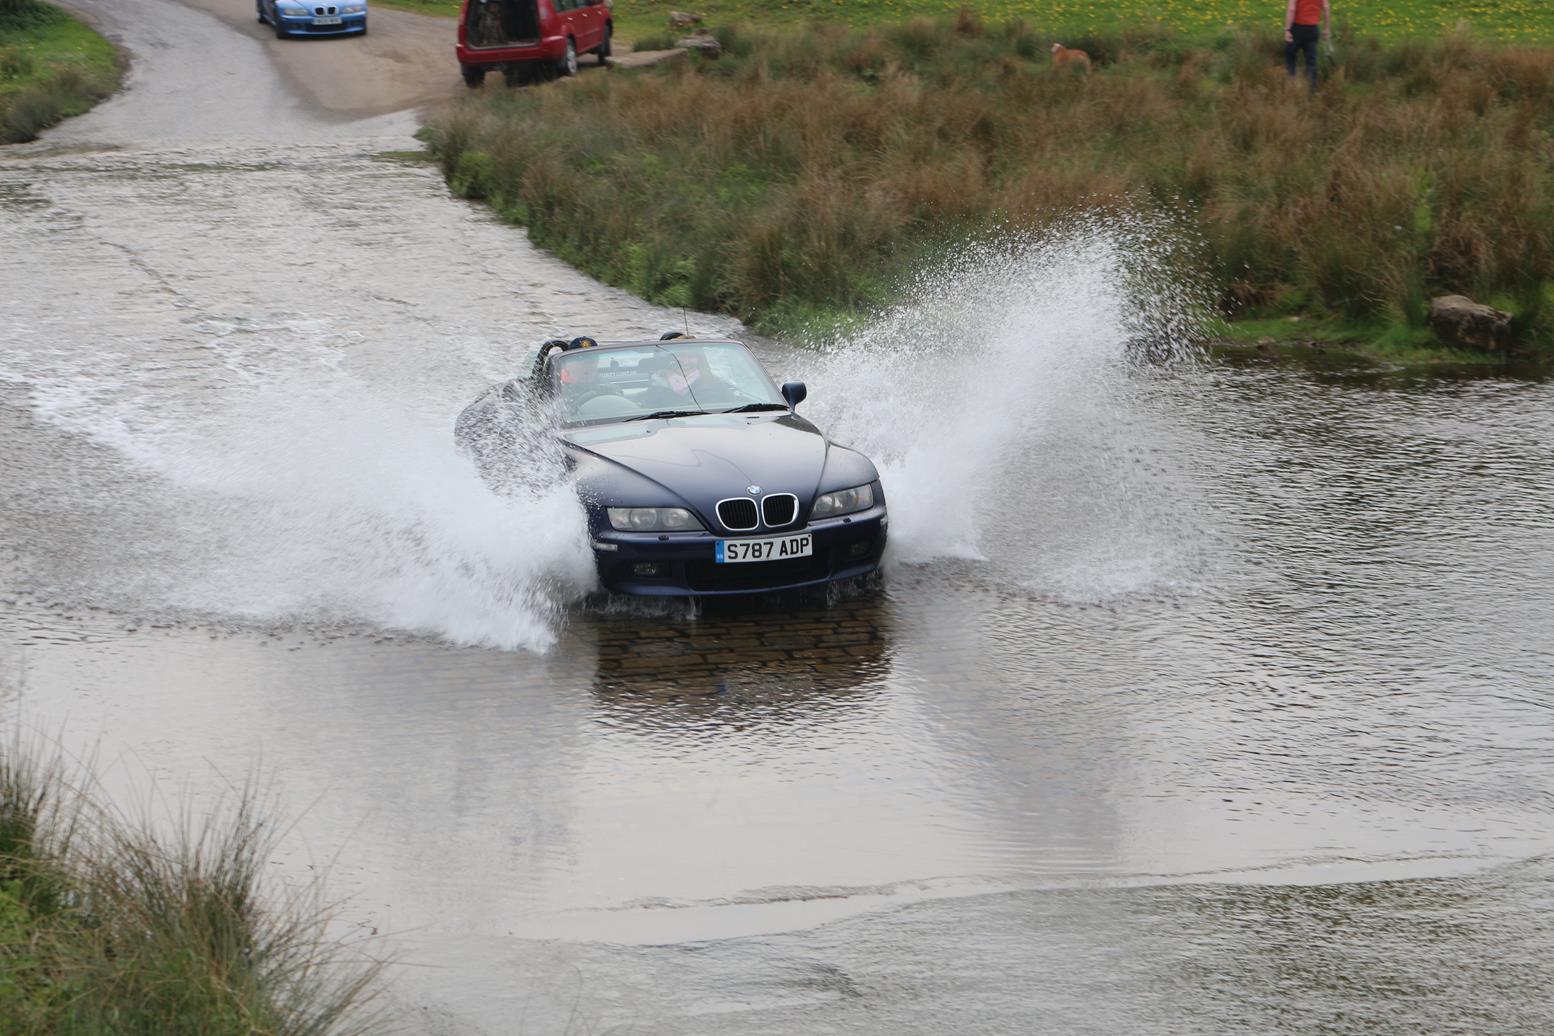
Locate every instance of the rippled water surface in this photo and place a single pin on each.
(1198, 698)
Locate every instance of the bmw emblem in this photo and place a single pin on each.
(752, 489)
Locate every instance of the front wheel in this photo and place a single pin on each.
(474, 75)
(280, 30)
(604, 48)
(568, 66)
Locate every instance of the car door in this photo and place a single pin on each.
(565, 17)
(576, 15)
(591, 15)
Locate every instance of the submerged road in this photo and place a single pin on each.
(1198, 698)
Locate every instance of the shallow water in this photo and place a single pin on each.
(1199, 698)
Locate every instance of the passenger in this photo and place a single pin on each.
(689, 385)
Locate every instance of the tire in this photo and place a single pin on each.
(603, 50)
(474, 75)
(280, 30)
(364, 26)
(568, 66)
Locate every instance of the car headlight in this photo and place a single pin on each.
(843, 501)
(652, 519)
(296, 12)
(353, 9)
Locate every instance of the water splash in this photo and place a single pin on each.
(306, 495)
(1008, 406)
(264, 475)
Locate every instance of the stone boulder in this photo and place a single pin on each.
(704, 43)
(1459, 321)
(682, 19)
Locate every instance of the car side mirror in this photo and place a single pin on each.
(795, 393)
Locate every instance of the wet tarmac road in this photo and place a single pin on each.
(1221, 706)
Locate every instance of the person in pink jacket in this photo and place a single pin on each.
(1305, 22)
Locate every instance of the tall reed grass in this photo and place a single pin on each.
(809, 170)
(109, 927)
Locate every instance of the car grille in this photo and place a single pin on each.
(779, 509)
(756, 575)
(737, 513)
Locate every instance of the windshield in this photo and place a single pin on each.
(594, 386)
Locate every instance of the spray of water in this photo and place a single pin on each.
(267, 482)
(1008, 405)
(293, 491)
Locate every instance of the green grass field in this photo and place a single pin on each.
(806, 174)
(51, 66)
(1516, 21)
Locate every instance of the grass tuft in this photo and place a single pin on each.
(655, 41)
(112, 927)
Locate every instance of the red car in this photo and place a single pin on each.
(519, 35)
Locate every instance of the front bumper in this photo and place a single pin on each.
(349, 23)
(843, 548)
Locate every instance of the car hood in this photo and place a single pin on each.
(706, 458)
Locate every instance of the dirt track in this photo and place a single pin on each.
(405, 61)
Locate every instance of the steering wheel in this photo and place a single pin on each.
(594, 393)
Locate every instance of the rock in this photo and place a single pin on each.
(682, 19)
(1459, 321)
(643, 58)
(1266, 344)
(705, 44)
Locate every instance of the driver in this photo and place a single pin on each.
(579, 381)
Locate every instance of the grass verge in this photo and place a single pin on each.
(1379, 342)
(438, 8)
(109, 928)
(51, 66)
(809, 171)
(1517, 21)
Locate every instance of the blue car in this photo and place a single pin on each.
(313, 17)
(697, 474)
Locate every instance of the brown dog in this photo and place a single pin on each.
(1062, 56)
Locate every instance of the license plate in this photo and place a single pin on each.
(775, 548)
(328, 21)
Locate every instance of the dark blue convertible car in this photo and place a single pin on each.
(697, 474)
